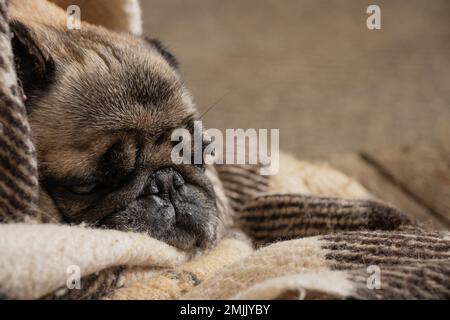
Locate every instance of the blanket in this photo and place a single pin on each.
(287, 240)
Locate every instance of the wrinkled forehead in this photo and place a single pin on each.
(127, 89)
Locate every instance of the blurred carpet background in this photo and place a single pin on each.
(312, 69)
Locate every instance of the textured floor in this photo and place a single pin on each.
(312, 69)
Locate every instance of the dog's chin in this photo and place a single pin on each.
(186, 235)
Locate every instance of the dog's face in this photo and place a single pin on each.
(102, 108)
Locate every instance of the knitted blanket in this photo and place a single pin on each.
(289, 238)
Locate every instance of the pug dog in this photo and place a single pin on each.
(102, 107)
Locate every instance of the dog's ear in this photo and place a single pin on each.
(34, 66)
(170, 58)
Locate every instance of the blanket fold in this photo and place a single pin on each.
(37, 258)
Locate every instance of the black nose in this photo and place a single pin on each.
(164, 182)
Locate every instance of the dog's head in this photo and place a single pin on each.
(102, 107)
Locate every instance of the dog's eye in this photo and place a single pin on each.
(160, 138)
(83, 189)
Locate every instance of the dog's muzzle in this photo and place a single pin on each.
(173, 209)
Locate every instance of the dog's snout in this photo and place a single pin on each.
(174, 207)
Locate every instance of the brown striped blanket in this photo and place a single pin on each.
(289, 240)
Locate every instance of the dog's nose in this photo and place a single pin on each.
(164, 182)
